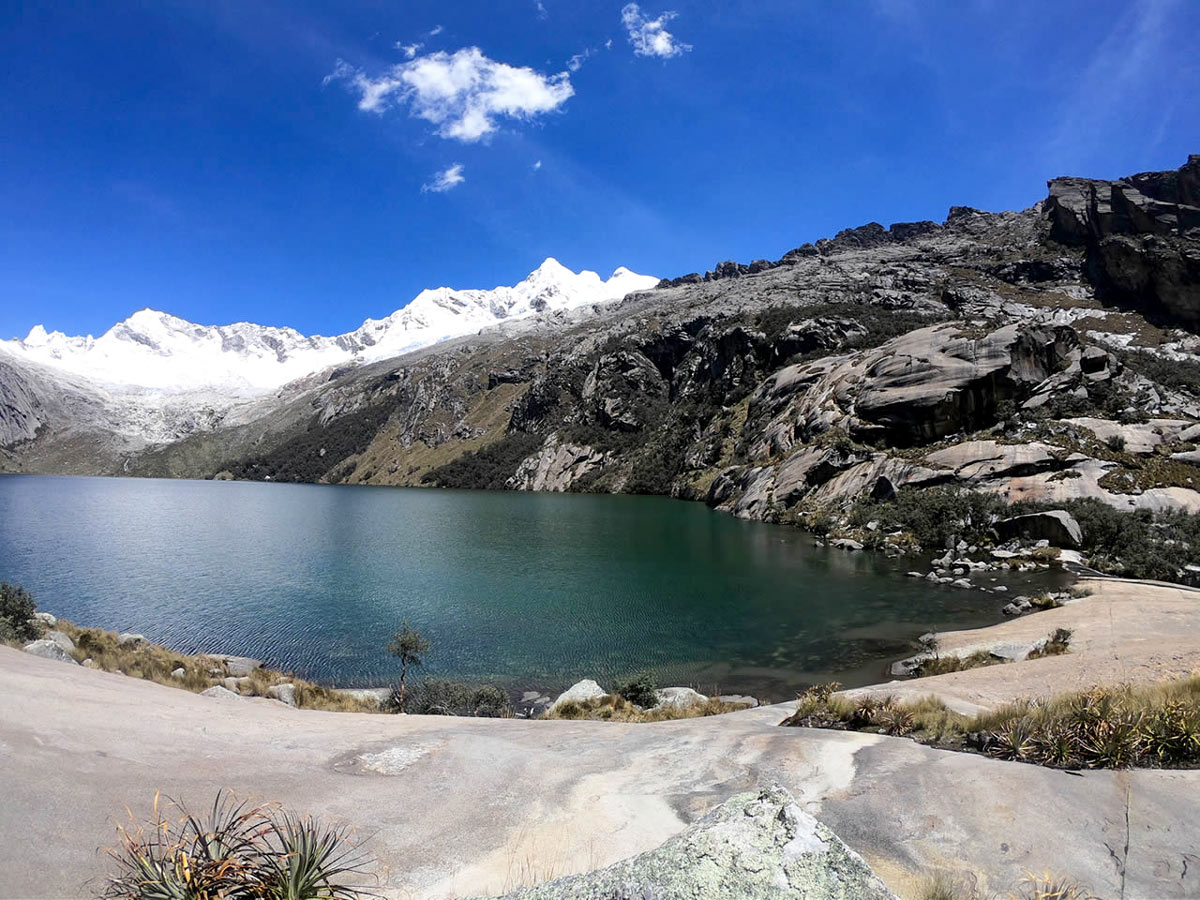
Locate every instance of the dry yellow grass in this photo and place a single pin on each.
(615, 708)
(153, 662)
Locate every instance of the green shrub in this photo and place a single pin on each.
(935, 516)
(487, 468)
(16, 614)
(437, 697)
(236, 851)
(640, 690)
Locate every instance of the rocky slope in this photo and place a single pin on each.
(1044, 355)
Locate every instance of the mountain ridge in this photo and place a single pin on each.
(155, 351)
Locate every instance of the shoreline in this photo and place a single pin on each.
(1124, 631)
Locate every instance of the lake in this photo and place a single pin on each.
(524, 590)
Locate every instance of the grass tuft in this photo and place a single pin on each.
(152, 662)
(615, 708)
(1148, 726)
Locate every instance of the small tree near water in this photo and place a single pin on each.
(410, 646)
(16, 614)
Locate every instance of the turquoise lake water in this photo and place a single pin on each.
(524, 590)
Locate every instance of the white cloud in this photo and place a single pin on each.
(541, 9)
(435, 31)
(462, 93)
(575, 63)
(650, 36)
(445, 180)
(410, 50)
(537, 165)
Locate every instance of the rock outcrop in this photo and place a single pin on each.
(917, 388)
(1056, 526)
(758, 846)
(1141, 234)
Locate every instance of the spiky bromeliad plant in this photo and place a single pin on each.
(237, 852)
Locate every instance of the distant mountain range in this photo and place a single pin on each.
(154, 354)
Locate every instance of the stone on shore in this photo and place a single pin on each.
(1056, 526)
(48, 648)
(61, 639)
(680, 698)
(757, 846)
(219, 693)
(46, 619)
(241, 666)
(580, 692)
(129, 639)
(284, 693)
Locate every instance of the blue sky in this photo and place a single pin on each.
(292, 163)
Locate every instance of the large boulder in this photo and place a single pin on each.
(284, 693)
(580, 692)
(237, 666)
(1056, 526)
(63, 640)
(48, 648)
(756, 846)
(680, 698)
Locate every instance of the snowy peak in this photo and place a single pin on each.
(158, 353)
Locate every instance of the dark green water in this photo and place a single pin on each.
(527, 590)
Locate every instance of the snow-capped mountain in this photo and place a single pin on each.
(154, 354)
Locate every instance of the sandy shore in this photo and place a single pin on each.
(1122, 631)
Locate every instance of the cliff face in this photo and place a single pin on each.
(1047, 354)
(1139, 235)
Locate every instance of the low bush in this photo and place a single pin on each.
(934, 516)
(943, 665)
(640, 690)
(487, 468)
(435, 697)
(235, 851)
(1105, 727)
(1135, 544)
(17, 622)
(1058, 643)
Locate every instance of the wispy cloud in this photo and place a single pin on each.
(537, 165)
(1116, 83)
(435, 31)
(650, 37)
(409, 50)
(445, 180)
(462, 93)
(541, 9)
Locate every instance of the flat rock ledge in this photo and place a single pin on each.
(757, 846)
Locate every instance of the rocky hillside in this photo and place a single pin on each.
(1047, 356)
